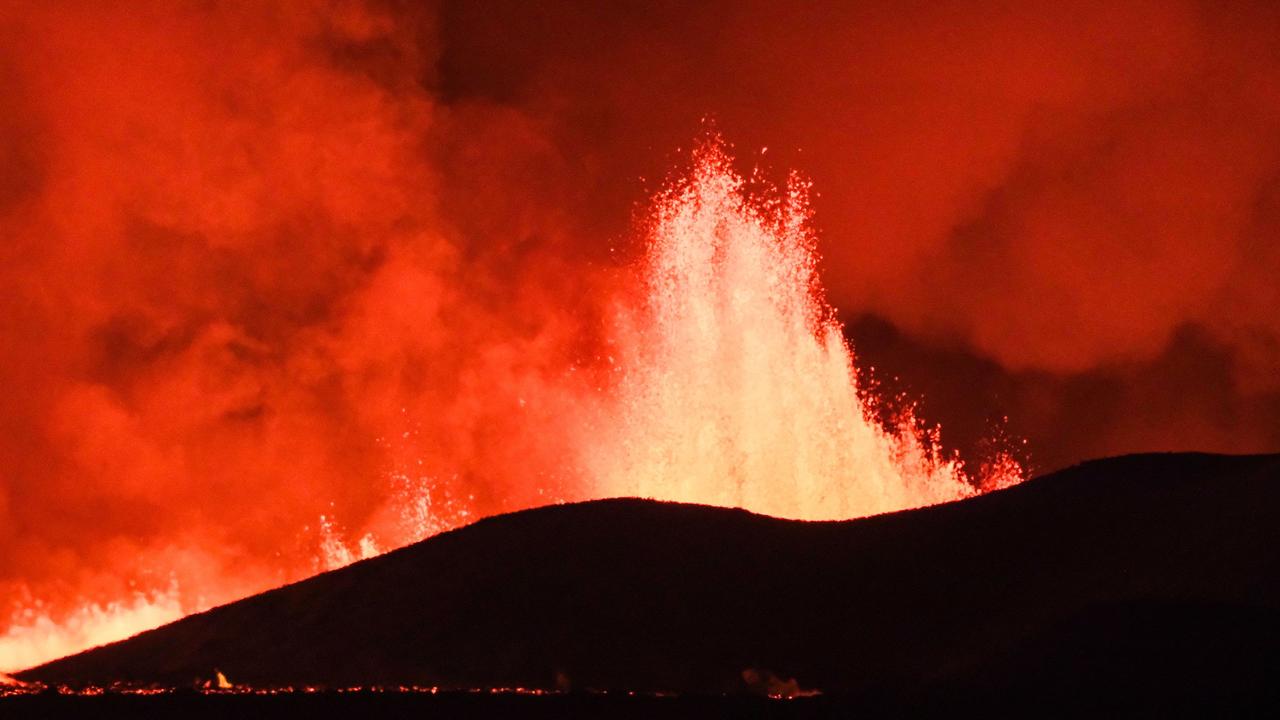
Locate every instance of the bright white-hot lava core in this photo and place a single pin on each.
(731, 385)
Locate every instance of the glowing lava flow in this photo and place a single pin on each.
(737, 387)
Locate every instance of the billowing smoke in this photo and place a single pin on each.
(267, 263)
(237, 300)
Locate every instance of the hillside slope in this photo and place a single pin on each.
(1151, 573)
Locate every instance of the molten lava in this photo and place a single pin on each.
(737, 387)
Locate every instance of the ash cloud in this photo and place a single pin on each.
(258, 257)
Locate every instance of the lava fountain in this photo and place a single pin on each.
(736, 386)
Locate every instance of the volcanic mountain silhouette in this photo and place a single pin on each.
(1146, 573)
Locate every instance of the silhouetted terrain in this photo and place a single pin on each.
(1151, 576)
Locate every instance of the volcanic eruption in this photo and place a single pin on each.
(290, 288)
(732, 385)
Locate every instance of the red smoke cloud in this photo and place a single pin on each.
(263, 263)
(235, 298)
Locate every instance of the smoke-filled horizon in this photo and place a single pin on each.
(264, 263)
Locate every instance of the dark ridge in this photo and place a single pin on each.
(1154, 575)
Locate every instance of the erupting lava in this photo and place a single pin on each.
(35, 637)
(737, 386)
(732, 385)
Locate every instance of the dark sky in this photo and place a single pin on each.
(258, 259)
